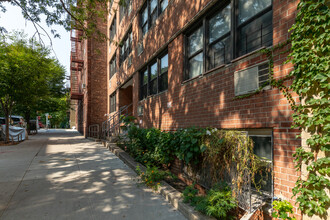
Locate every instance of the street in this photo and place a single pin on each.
(58, 174)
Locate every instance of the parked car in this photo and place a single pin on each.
(16, 119)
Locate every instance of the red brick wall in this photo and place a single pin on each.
(210, 100)
(94, 103)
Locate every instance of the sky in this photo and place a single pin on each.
(13, 19)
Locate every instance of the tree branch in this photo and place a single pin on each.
(35, 24)
(72, 16)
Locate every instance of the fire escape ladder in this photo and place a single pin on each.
(76, 66)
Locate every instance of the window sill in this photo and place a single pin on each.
(214, 69)
(154, 95)
(226, 65)
(204, 74)
(248, 54)
(192, 79)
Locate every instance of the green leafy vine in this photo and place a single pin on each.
(310, 49)
(310, 55)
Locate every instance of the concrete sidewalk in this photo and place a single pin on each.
(60, 175)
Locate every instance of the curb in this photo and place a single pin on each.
(167, 191)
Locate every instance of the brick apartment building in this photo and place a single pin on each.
(181, 63)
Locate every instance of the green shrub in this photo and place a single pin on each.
(218, 201)
(166, 150)
(282, 210)
(190, 195)
(161, 147)
(152, 176)
(189, 144)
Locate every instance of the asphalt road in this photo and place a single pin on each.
(59, 174)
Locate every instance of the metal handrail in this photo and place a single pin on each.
(111, 125)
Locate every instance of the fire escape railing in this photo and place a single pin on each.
(76, 65)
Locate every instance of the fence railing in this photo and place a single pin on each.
(112, 125)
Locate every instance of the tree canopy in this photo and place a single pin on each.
(30, 80)
(71, 14)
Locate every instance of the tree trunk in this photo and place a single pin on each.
(27, 118)
(7, 126)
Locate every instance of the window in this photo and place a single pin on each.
(163, 5)
(113, 29)
(126, 47)
(163, 76)
(113, 102)
(219, 38)
(210, 44)
(150, 12)
(153, 11)
(110, 8)
(263, 148)
(144, 20)
(195, 53)
(255, 25)
(250, 79)
(125, 8)
(113, 66)
(154, 78)
(144, 84)
(216, 45)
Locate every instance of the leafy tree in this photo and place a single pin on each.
(71, 14)
(46, 93)
(28, 77)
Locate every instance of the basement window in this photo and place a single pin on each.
(249, 80)
(263, 148)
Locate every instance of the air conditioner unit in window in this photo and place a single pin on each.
(250, 79)
(83, 86)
